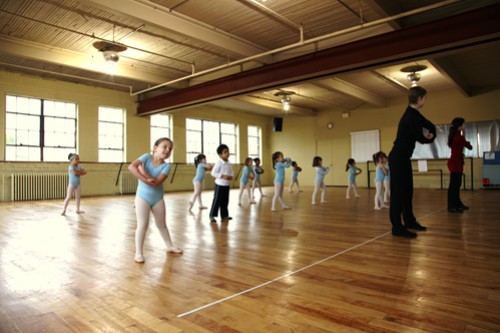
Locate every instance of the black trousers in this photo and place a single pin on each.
(221, 201)
(401, 191)
(454, 190)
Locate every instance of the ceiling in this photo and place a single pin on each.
(173, 47)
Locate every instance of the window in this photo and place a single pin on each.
(160, 128)
(254, 142)
(483, 136)
(111, 134)
(364, 144)
(203, 136)
(39, 130)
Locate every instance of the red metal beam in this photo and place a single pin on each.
(453, 32)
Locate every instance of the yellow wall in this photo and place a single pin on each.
(301, 139)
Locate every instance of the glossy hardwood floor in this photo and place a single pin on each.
(325, 268)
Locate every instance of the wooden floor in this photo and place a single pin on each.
(325, 268)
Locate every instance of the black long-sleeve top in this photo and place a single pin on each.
(410, 130)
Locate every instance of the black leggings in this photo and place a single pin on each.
(401, 191)
(454, 190)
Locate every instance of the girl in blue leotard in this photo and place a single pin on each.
(279, 164)
(75, 170)
(151, 170)
(245, 180)
(200, 162)
(295, 177)
(387, 182)
(380, 159)
(319, 182)
(354, 171)
(257, 171)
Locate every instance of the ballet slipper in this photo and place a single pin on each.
(173, 249)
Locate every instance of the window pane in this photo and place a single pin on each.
(193, 124)
(56, 154)
(10, 153)
(60, 109)
(10, 103)
(111, 135)
(254, 141)
(211, 137)
(27, 122)
(110, 114)
(227, 128)
(35, 106)
(10, 137)
(48, 108)
(110, 155)
(60, 132)
(159, 128)
(70, 110)
(252, 131)
(17, 153)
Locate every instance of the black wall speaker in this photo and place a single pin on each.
(278, 124)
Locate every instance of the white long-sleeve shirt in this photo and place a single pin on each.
(222, 168)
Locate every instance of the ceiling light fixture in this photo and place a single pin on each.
(111, 59)
(414, 75)
(110, 56)
(285, 98)
(286, 103)
(110, 53)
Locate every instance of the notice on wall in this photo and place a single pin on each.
(422, 165)
(489, 155)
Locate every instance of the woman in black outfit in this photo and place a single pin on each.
(410, 130)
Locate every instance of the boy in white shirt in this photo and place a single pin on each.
(223, 174)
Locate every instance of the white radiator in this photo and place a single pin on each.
(128, 183)
(38, 186)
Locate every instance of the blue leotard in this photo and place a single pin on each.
(379, 174)
(74, 179)
(295, 174)
(256, 173)
(387, 178)
(352, 174)
(146, 192)
(280, 171)
(320, 174)
(200, 173)
(244, 175)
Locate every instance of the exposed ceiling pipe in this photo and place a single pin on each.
(68, 75)
(280, 18)
(395, 83)
(302, 43)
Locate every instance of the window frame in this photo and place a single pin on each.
(258, 138)
(43, 132)
(201, 133)
(106, 122)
